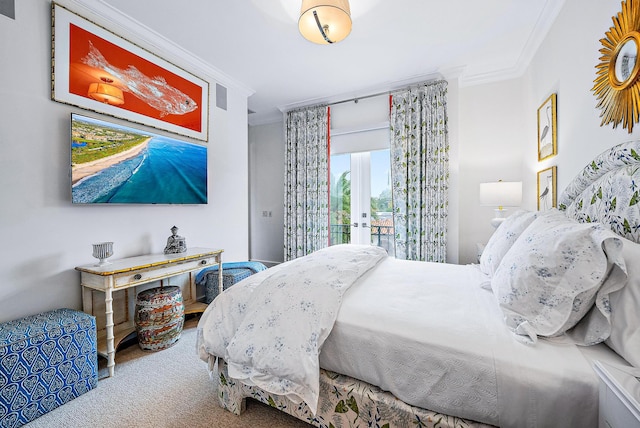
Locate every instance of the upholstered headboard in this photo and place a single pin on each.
(608, 191)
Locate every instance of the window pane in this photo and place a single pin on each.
(340, 216)
(381, 204)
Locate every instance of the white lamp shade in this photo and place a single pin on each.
(501, 194)
(334, 17)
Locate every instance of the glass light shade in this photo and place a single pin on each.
(334, 17)
(106, 93)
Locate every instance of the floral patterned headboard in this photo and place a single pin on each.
(608, 191)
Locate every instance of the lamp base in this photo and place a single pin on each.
(499, 218)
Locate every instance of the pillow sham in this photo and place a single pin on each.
(625, 309)
(552, 275)
(503, 238)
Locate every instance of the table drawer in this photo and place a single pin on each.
(155, 273)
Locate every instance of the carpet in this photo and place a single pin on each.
(169, 388)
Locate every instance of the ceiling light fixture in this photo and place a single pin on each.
(106, 93)
(325, 21)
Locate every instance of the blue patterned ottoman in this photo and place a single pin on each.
(46, 360)
(232, 273)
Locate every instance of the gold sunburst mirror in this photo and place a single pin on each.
(617, 86)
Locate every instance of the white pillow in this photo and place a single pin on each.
(503, 238)
(625, 309)
(553, 274)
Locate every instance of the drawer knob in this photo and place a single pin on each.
(137, 276)
(203, 262)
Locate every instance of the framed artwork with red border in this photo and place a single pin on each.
(97, 70)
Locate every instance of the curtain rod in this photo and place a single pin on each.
(356, 99)
(389, 92)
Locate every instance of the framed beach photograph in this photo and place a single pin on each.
(547, 198)
(116, 164)
(97, 70)
(547, 132)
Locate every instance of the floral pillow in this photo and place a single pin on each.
(503, 238)
(625, 309)
(554, 273)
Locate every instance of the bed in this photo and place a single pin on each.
(350, 337)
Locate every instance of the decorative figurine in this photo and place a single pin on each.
(175, 243)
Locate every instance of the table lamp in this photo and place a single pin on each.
(500, 194)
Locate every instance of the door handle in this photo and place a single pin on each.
(355, 225)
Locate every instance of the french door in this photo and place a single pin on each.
(360, 228)
(361, 199)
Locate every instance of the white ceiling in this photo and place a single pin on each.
(392, 44)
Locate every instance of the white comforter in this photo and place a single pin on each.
(430, 334)
(427, 332)
(270, 328)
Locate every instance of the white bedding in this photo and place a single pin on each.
(270, 328)
(431, 335)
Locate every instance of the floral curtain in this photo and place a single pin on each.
(420, 171)
(306, 187)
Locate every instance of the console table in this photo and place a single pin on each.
(122, 274)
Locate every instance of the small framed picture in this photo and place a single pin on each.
(547, 133)
(547, 189)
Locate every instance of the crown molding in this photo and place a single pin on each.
(114, 20)
(273, 116)
(277, 114)
(465, 77)
(544, 23)
(362, 93)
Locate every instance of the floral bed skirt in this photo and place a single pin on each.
(344, 402)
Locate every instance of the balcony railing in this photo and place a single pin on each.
(382, 236)
(340, 234)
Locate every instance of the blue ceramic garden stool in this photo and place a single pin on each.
(232, 273)
(159, 317)
(46, 360)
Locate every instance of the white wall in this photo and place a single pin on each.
(43, 236)
(493, 126)
(266, 177)
(499, 120)
(565, 64)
